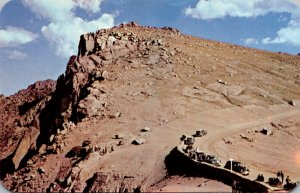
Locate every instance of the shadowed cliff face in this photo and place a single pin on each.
(19, 121)
(122, 79)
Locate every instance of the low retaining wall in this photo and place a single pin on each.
(179, 163)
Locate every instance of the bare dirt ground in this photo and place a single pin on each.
(186, 94)
(189, 184)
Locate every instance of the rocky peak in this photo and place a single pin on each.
(90, 43)
(80, 92)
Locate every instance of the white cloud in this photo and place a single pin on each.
(58, 10)
(236, 8)
(249, 41)
(64, 36)
(65, 28)
(13, 36)
(89, 5)
(288, 35)
(52, 10)
(3, 3)
(16, 55)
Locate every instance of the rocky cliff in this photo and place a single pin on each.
(38, 114)
(18, 121)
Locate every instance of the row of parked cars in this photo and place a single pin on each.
(235, 166)
(200, 156)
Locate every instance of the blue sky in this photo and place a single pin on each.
(38, 36)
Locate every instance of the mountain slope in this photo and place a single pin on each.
(130, 77)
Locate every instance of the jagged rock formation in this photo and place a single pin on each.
(19, 122)
(121, 79)
(79, 92)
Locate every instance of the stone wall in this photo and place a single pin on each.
(178, 163)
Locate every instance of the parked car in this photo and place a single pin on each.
(213, 159)
(237, 167)
(200, 133)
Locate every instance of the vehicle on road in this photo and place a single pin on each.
(200, 133)
(213, 159)
(237, 167)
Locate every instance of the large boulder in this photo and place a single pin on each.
(27, 143)
(90, 106)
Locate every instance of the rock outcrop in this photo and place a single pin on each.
(19, 121)
(79, 93)
(108, 182)
(26, 144)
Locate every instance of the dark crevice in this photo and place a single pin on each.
(27, 106)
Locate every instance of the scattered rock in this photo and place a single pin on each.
(247, 138)
(51, 138)
(266, 131)
(119, 136)
(121, 142)
(293, 103)
(227, 141)
(117, 114)
(29, 162)
(222, 82)
(105, 74)
(41, 170)
(111, 40)
(163, 121)
(28, 178)
(145, 129)
(86, 143)
(139, 141)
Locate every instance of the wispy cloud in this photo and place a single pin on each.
(52, 10)
(249, 41)
(288, 35)
(14, 36)
(65, 28)
(3, 3)
(16, 55)
(208, 10)
(89, 5)
(237, 8)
